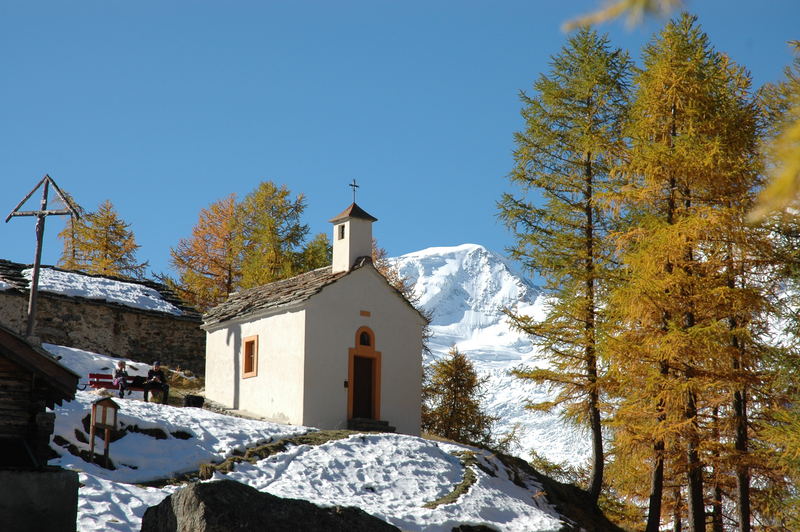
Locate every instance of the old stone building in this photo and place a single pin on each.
(136, 319)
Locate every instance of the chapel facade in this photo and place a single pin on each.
(336, 347)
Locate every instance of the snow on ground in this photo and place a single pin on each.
(393, 476)
(465, 289)
(129, 294)
(85, 362)
(108, 505)
(108, 500)
(388, 475)
(140, 457)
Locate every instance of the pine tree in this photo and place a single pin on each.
(271, 232)
(70, 255)
(453, 393)
(243, 244)
(573, 131)
(693, 304)
(780, 423)
(209, 262)
(316, 254)
(101, 243)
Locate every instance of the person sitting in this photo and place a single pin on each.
(156, 381)
(121, 378)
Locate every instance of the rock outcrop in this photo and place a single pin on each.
(228, 506)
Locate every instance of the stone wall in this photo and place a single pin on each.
(110, 329)
(32, 501)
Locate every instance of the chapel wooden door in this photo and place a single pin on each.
(362, 387)
(364, 377)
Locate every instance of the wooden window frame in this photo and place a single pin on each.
(340, 232)
(254, 341)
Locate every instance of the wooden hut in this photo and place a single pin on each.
(31, 380)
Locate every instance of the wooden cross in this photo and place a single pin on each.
(354, 186)
(40, 217)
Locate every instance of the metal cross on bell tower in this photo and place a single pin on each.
(354, 186)
(43, 212)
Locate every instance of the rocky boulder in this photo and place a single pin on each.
(228, 506)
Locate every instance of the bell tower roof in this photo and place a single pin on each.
(353, 211)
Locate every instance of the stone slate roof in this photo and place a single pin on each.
(286, 292)
(11, 273)
(280, 293)
(353, 211)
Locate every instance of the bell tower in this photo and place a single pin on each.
(352, 237)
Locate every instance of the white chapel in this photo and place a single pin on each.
(336, 347)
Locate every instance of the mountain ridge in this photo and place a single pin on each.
(465, 288)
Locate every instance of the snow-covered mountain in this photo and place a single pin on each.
(465, 288)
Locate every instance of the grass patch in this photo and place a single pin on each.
(252, 455)
(468, 460)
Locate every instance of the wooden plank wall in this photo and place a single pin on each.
(17, 403)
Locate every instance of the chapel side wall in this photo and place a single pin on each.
(222, 345)
(110, 329)
(334, 318)
(276, 393)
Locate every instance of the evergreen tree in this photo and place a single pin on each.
(452, 408)
(243, 244)
(780, 424)
(101, 243)
(316, 254)
(693, 306)
(573, 131)
(271, 234)
(209, 262)
(70, 255)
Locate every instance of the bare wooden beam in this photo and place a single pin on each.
(26, 198)
(72, 209)
(37, 213)
(37, 261)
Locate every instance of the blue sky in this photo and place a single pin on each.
(166, 106)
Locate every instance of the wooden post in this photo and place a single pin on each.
(108, 440)
(106, 421)
(41, 214)
(40, 218)
(91, 439)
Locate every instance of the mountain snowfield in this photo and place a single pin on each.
(465, 288)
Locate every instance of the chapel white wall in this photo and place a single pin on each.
(333, 317)
(220, 367)
(276, 392)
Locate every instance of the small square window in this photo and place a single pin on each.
(341, 231)
(250, 357)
